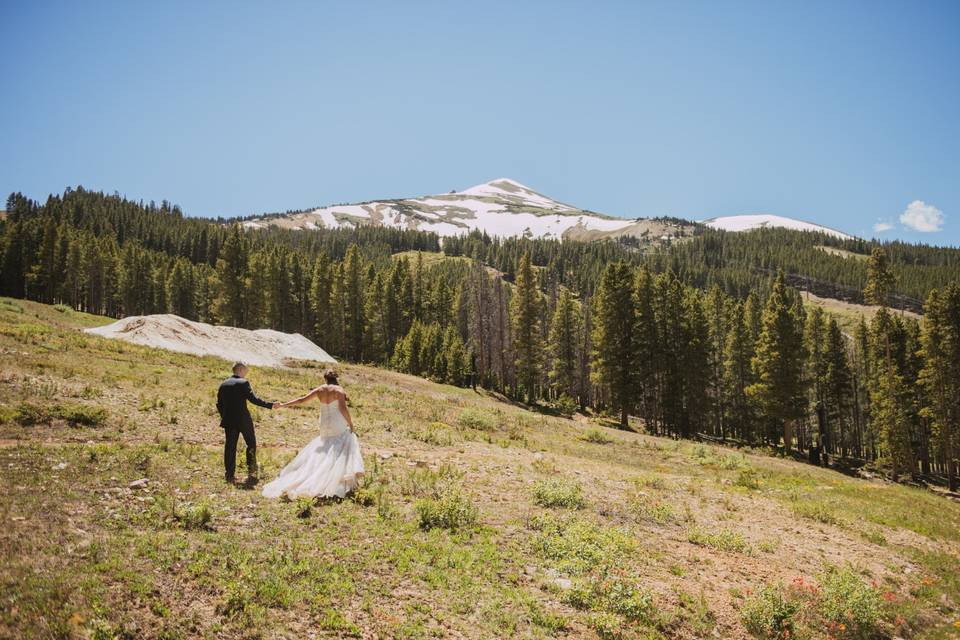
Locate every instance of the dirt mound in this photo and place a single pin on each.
(263, 347)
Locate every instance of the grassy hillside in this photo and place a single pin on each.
(478, 518)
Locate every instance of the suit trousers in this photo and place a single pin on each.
(230, 449)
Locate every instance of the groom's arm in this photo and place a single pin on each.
(252, 397)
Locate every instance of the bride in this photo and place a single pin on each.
(331, 464)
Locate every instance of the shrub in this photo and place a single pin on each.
(566, 405)
(849, 601)
(614, 592)
(596, 436)
(28, 415)
(649, 481)
(477, 419)
(576, 544)
(423, 481)
(80, 415)
(303, 507)
(649, 509)
(816, 511)
(770, 613)
(195, 516)
(435, 433)
(558, 492)
(722, 540)
(451, 510)
(748, 479)
(607, 625)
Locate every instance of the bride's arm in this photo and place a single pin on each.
(299, 400)
(342, 405)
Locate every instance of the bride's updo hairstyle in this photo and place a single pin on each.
(330, 376)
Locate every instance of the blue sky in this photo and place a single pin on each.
(842, 113)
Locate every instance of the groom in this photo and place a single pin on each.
(235, 419)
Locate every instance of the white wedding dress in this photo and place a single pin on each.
(330, 465)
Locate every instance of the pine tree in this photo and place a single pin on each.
(778, 364)
(614, 325)
(180, 290)
(337, 311)
(890, 417)
(375, 334)
(940, 375)
(353, 301)
(230, 305)
(525, 324)
(814, 339)
(645, 347)
(837, 389)
(566, 329)
(695, 359)
(42, 279)
(715, 307)
(320, 290)
(737, 377)
(880, 279)
(258, 291)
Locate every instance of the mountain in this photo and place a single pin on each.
(501, 207)
(505, 208)
(764, 220)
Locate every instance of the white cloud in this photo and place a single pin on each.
(921, 216)
(881, 226)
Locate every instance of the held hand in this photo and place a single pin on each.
(277, 405)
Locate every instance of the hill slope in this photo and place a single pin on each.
(120, 526)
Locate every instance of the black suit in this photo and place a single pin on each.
(235, 418)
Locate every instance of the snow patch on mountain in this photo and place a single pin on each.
(765, 220)
(501, 207)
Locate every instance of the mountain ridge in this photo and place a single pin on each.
(505, 207)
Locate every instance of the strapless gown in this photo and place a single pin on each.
(330, 465)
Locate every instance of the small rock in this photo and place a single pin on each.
(59, 467)
(563, 583)
(538, 456)
(386, 455)
(136, 484)
(18, 518)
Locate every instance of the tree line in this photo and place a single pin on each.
(689, 343)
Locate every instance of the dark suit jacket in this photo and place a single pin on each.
(232, 400)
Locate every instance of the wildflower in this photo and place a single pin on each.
(890, 596)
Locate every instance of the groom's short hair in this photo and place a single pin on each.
(239, 365)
